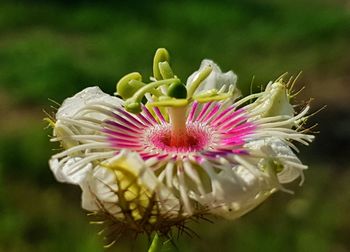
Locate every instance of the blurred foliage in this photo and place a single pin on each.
(54, 49)
(49, 47)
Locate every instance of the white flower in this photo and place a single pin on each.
(187, 152)
(224, 163)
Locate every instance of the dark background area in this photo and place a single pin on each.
(53, 49)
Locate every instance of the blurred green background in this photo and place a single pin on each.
(53, 49)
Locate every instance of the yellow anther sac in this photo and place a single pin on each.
(129, 84)
(161, 55)
(133, 106)
(165, 70)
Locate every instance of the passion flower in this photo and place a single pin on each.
(159, 153)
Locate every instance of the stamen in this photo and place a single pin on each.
(161, 55)
(133, 104)
(165, 70)
(195, 84)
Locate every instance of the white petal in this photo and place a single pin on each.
(63, 172)
(233, 196)
(215, 80)
(70, 108)
(88, 199)
(167, 202)
(279, 150)
(99, 189)
(66, 129)
(89, 95)
(102, 185)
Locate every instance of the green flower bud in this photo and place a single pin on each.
(276, 101)
(280, 104)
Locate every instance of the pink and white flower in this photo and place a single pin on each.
(207, 153)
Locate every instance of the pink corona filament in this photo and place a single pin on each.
(199, 131)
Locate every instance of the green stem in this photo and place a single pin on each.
(157, 244)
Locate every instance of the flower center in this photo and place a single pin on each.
(197, 138)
